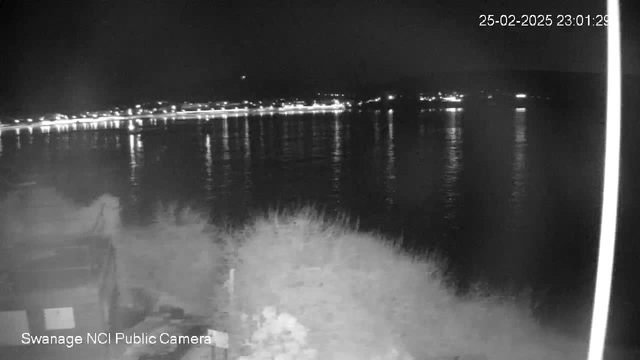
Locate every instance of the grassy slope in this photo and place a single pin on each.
(359, 295)
(355, 292)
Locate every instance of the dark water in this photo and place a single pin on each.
(511, 197)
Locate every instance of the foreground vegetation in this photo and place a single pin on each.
(303, 286)
(357, 294)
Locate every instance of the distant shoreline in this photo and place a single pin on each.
(183, 115)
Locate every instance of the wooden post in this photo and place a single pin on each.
(230, 286)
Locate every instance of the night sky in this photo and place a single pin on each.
(59, 55)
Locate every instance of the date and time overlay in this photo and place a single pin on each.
(539, 20)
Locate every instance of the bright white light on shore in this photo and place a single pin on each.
(131, 127)
(243, 77)
(391, 97)
(30, 120)
(451, 99)
(521, 96)
(16, 121)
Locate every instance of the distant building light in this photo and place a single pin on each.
(138, 106)
(243, 77)
(521, 96)
(391, 97)
(29, 120)
(16, 121)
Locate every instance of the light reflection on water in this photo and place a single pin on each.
(391, 159)
(135, 165)
(454, 161)
(209, 168)
(248, 186)
(262, 146)
(337, 154)
(519, 161)
(226, 155)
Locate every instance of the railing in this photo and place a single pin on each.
(55, 268)
(75, 261)
(26, 225)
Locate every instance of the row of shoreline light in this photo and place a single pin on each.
(182, 115)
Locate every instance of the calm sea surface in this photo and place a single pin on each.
(510, 197)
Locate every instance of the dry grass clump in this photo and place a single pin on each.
(172, 261)
(359, 296)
